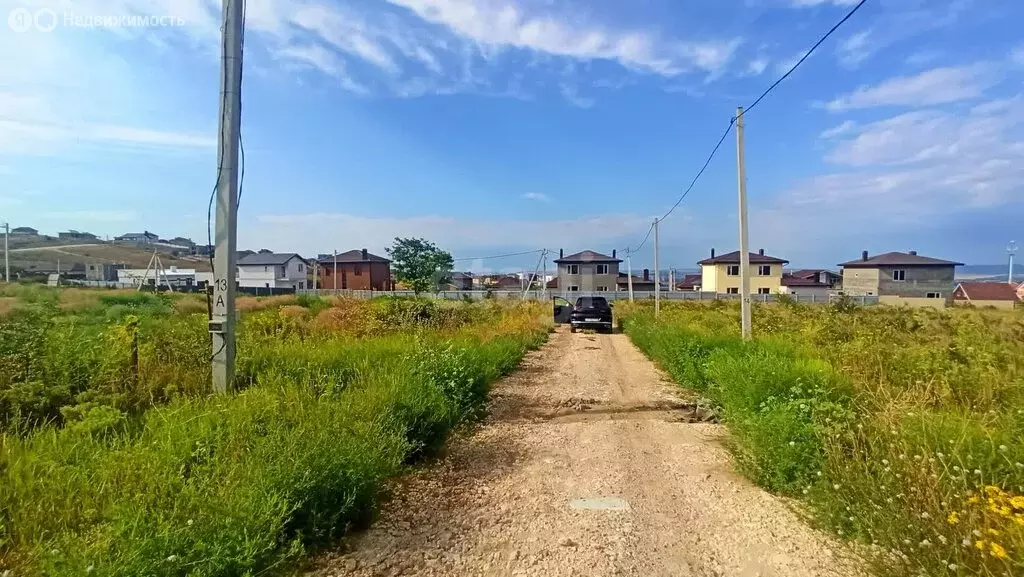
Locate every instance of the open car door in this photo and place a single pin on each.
(561, 310)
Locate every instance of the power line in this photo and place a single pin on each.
(806, 55)
(500, 255)
(757, 101)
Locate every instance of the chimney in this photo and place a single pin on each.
(561, 253)
(365, 255)
(913, 253)
(760, 251)
(647, 274)
(864, 255)
(613, 253)
(712, 253)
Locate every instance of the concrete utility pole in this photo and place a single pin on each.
(744, 252)
(222, 325)
(629, 274)
(1010, 248)
(6, 251)
(657, 273)
(544, 289)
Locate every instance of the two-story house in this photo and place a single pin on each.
(900, 277)
(721, 273)
(354, 270)
(272, 270)
(587, 271)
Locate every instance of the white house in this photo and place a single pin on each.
(176, 277)
(272, 270)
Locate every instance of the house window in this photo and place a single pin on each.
(300, 267)
(573, 288)
(265, 269)
(732, 290)
(764, 291)
(602, 289)
(934, 295)
(764, 270)
(327, 271)
(733, 270)
(899, 275)
(602, 269)
(573, 269)
(358, 270)
(266, 285)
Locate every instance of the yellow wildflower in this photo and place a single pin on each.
(992, 490)
(1019, 519)
(1005, 511)
(997, 551)
(980, 545)
(953, 518)
(993, 532)
(973, 499)
(1017, 502)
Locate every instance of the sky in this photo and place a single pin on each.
(496, 126)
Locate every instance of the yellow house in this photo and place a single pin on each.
(721, 274)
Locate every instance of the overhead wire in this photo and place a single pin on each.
(732, 121)
(499, 255)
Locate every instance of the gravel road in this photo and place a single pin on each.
(588, 464)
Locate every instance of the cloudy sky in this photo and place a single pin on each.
(494, 126)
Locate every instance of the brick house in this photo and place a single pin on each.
(356, 270)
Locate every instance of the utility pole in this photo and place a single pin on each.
(629, 274)
(544, 290)
(222, 325)
(657, 273)
(744, 252)
(6, 251)
(1010, 248)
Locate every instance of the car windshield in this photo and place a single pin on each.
(592, 302)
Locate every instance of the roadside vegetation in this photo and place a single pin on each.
(116, 460)
(900, 429)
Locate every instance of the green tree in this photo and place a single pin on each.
(420, 264)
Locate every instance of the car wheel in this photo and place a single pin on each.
(572, 329)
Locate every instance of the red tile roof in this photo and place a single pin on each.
(689, 281)
(986, 291)
(791, 280)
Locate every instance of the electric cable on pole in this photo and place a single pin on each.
(223, 314)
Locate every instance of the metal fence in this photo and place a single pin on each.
(572, 296)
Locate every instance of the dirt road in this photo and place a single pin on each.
(588, 465)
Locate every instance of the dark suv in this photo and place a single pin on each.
(591, 313)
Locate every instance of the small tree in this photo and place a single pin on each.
(420, 264)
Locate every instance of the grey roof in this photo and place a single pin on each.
(353, 256)
(898, 259)
(587, 256)
(24, 229)
(734, 258)
(267, 258)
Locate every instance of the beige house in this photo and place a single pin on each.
(901, 278)
(721, 274)
(999, 295)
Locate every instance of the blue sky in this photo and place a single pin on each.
(493, 126)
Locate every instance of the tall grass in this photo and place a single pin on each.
(237, 484)
(900, 429)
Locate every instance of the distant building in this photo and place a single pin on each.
(811, 283)
(509, 282)
(643, 283)
(183, 242)
(272, 271)
(900, 278)
(103, 271)
(24, 231)
(1000, 295)
(354, 270)
(76, 235)
(461, 281)
(721, 274)
(587, 271)
(144, 237)
(690, 282)
(174, 276)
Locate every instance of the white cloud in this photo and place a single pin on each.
(835, 131)
(784, 66)
(757, 66)
(538, 196)
(505, 25)
(935, 86)
(856, 49)
(571, 94)
(809, 3)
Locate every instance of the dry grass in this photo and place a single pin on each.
(8, 304)
(245, 304)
